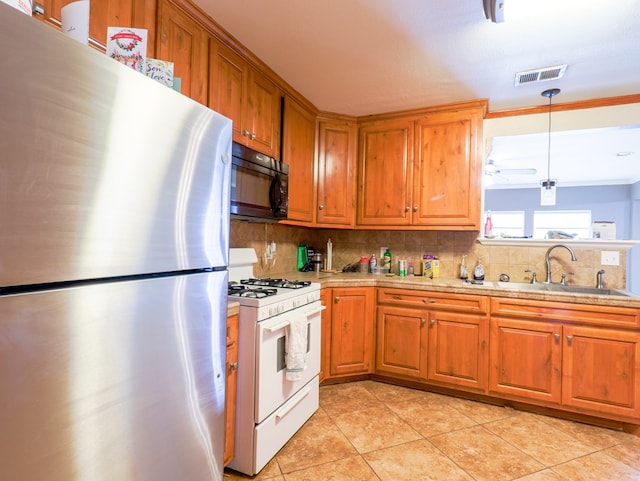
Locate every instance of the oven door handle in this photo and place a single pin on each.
(283, 324)
(282, 413)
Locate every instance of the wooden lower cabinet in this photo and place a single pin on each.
(231, 391)
(351, 344)
(325, 333)
(526, 359)
(601, 370)
(556, 354)
(401, 342)
(433, 337)
(458, 350)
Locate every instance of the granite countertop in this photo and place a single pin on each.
(233, 308)
(455, 286)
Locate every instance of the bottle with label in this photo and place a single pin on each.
(488, 225)
(478, 272)
(373, 263)
(464, 274)
(329, 258)
(410, 269)
(386, 259)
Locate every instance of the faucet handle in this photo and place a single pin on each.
(534, 279)
(563, 280)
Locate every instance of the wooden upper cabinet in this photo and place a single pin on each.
(385, 173)
(184, 42)
(108, 13)
(422, 170)
(446, 189)
(247, 97)
(298, 141)
(336, 173)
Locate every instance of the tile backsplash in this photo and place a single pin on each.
(449, 246)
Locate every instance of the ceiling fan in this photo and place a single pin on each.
(491, 169)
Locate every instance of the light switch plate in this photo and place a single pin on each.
(610, 258)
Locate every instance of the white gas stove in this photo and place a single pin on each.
(272, 401)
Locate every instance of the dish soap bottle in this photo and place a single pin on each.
(386, 259)
(464, 274)
(373, 263)
(478, 272)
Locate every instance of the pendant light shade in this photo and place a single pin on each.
(548, 186)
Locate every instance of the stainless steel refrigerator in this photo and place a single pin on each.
(114, 221)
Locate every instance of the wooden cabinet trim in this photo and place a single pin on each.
(432, 300)
(612, 316)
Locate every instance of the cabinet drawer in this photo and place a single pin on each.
(562, 311)
(433, 300)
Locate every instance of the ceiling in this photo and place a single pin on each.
(361, 57)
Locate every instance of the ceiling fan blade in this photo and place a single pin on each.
(517, 171)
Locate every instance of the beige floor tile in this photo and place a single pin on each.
(417, 460)
(270, 472)
(353, 468)
(627, 452)
(541, 441)
(374, 428)
(597, 467)
(484, 455)
(342, 398)
(319, 441)
(481, 412)
(544, 475)
(428, 420)
(595, 436)
(389, 393)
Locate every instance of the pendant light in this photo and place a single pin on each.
(548, 186)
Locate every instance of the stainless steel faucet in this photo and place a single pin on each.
(548, 261)
(599, 280)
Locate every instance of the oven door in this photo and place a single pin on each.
(272, 387)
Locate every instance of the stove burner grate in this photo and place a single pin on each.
(282, 283)
(243, 291)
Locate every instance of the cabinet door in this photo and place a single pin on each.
(336, 169)
(401, 342)
(458, 349)
(384, 173)
(262, 128)
(352, 331)
(325, 333)
(447, 184)
(227, 86)
(298, 142)
(525, 359)
(231, 384)
(184, 42)
(601, 370)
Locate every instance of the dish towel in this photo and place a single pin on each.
(296, 355)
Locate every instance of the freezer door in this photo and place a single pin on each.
(105, 172)
(120, 381)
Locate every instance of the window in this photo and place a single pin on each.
(508, 223)
(574, 222)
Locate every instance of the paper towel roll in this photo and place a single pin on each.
(75, 20)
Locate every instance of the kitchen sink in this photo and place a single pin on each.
(541, 286)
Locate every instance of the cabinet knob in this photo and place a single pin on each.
(246, 132)
(422, 321)
(415, 208)
(253, 135)
(432, 322)
(569, 340)
(556, 337)
(321, 206)
(407, 209)
(336, 299)
(233, 366)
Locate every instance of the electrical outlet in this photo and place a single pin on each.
(610, 258)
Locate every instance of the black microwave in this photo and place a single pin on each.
(259, 186)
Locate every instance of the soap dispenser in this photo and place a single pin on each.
(478, 271)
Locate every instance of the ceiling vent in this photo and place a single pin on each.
(540, 75)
